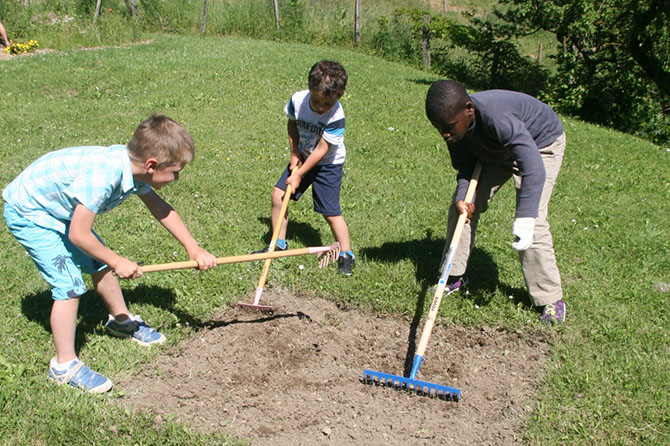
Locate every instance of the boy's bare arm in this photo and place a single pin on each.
(169, 218)
(312, 160)
(81, 235)
(293, 139)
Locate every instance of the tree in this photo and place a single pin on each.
(614, 58)
(133, 7)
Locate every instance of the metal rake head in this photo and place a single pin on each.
(330, 256)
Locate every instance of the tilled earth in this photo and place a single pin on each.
(294, 377)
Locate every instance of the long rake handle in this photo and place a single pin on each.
(439, 291)
(275, 237)
(238, 259)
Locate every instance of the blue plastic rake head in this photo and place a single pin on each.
(422, 388)
(412, 384)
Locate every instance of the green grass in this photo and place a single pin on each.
(607, 381)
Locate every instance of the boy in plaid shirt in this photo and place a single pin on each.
(50, 209)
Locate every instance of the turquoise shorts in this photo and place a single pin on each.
(58, 260)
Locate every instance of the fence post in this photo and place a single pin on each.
(446, 7)
(97, 12)
(357, 22)
(276, 14)
(204, 18)
(539, 53)
(425, 45)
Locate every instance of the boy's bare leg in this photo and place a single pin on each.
(277, 199)
(63, 326)
(340, 231)
(3, 34)
(107, 286)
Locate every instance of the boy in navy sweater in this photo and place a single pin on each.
(512, 135)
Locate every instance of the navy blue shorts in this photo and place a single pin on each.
(326, 181)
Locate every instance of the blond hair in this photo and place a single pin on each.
(164, 139)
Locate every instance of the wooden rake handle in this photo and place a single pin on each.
(455, 239)
(275, 234)
(243, 258)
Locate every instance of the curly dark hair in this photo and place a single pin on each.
(329, 77)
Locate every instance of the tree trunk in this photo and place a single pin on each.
(203, 25)
(133, 7)
(641, 47)
(97, 12)
(357, 22)
(425, 45)
(446, 7)
(276, 14)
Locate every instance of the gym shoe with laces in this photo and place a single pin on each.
(136, 329)
(267, 248)
(345, 264)
(554, 313)
(80, 376)
(455, 283)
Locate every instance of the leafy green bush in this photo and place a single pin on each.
(395, 40)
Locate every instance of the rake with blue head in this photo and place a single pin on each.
(410, 383)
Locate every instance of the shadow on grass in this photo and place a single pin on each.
(93, 312)
(426, 255)
(296, 230)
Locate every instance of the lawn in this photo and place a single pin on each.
(607, 381)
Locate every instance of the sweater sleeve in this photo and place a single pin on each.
(464, 163)
(514, 136)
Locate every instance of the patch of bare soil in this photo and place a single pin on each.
(294, 377)
(6, 56)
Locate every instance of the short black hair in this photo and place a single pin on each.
(444, 99)
(329, 77)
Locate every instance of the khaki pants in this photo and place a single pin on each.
(538, 262)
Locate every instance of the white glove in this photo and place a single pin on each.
(523, 229)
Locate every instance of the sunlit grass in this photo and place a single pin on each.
(605, 382)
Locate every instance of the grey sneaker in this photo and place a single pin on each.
(267, 248)
(80, 376)
(137, 330)
(554, 313)
(345, 264)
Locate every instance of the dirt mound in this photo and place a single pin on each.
(294, 377)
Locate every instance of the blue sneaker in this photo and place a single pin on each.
(554, 313)
(80, 376)
(136, 329)
(278, 247)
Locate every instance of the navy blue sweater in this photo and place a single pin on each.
(509, 130)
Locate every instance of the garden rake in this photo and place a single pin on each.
(271, 247)
(327, 255)
(411, 383)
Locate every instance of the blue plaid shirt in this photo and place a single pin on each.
(48, 190)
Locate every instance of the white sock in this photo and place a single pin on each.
(130, 319)
(62, 366)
